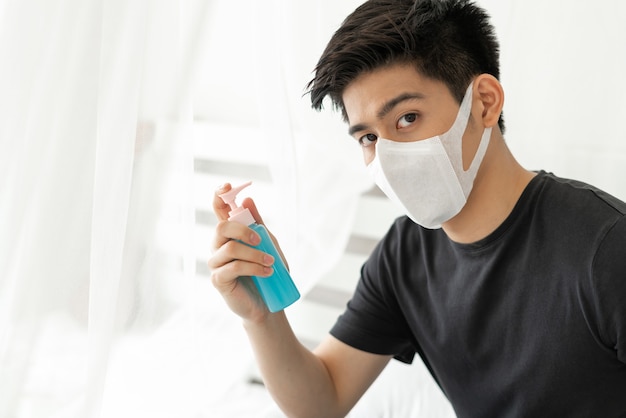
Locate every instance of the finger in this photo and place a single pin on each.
(227, 276)
(249, 204)
(220, 208)
(226, 231)
(234, 251)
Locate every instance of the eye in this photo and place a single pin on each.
(367, 140)
(406, 120)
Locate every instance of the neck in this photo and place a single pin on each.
(499, 184)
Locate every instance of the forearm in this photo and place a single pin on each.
(297, 379)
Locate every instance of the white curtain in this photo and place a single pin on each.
(96, 116)
(101, 310)
(105, 106)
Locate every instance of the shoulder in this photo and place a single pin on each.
(574, 207)
(609, 287)
(611, 250)
(579, 194)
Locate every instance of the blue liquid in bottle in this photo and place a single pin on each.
(278, 290)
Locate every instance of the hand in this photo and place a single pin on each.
(232, 262)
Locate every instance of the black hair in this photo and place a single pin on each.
(447, 40)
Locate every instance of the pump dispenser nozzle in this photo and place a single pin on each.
(237, 213)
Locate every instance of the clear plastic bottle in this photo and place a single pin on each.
(278, 290)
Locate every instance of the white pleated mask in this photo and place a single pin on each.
(426, 177)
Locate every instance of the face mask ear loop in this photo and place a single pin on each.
(451, 140)
(462, 117)
(478, 156)
(466, 107)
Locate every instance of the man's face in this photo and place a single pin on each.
(399, 104)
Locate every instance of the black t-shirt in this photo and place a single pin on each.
(527, 322)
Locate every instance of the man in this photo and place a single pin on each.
(509, 284)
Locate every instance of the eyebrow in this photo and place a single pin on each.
(386, 108)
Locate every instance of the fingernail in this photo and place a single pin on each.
(267, 271)
(268, 260)
(254, 238)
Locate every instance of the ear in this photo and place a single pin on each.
(489, 94)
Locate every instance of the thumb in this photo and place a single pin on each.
(249, 204)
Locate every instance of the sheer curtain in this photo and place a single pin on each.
(102, 311)
(96, 119)
(108, 111)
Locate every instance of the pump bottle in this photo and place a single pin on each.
(278, 290)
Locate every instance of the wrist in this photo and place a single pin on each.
(264, 321)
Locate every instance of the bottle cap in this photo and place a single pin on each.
(237, 213)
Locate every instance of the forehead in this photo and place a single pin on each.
(370, 91)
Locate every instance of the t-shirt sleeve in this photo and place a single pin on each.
(372, 320)
(609, 273)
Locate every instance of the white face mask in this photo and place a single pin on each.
(426, 177)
